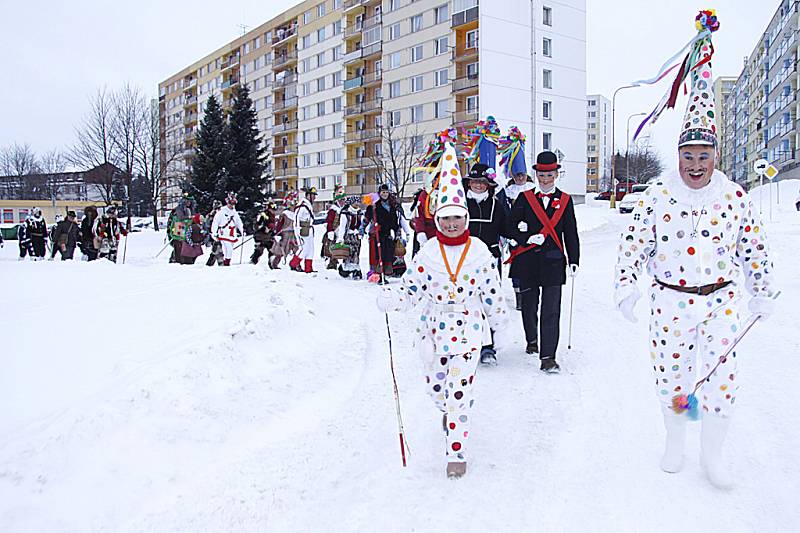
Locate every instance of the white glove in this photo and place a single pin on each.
(761, 305)
(536, 239)
(513, 243)
(625, 299)
(572, 269)
(522, 226)
(385, 300)
(331, 236)
(391, 234)
(422, 238)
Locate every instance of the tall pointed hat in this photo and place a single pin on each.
(481, 143)
(450, 199)
(512, 152)
(699, 124)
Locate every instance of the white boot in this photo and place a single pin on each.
(712, 436)
(675, 424)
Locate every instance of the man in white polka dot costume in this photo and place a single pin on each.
(696, 232)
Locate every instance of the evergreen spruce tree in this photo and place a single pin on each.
(210, 158)
(246, 157)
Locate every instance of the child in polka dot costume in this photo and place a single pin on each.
(454, 283)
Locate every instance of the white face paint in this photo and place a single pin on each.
(452, 226)
(696, 165)
(547, 180)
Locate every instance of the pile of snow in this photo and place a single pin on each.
(156, 397)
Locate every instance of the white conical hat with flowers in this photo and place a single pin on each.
(450, 197)
(700, 121)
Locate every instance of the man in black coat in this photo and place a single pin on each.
(487, 221)
(66, 236)
(543, 224)
(384, 216)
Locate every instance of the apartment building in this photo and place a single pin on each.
(598, 145)
(760, 111)
(335, 81)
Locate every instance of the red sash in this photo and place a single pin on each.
(548, 224)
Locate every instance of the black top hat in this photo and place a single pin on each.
(479, 171)
(384, 187)
(546, 161)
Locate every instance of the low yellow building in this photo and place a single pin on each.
(16, 211)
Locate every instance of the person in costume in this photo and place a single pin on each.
(264, 234)
(227, 227)
(87, 233)
(108, 231)
(348, 233)
(67, 236)
(215, 256)
(331, 224)
(304, 233)
(286, 243)
(23, 240)
(693, 231)
(180, 219)
(384, 227)
(454, 283)
(422, 221)
(192, 243)
(543, 226)
(37, 233)
(487, 222)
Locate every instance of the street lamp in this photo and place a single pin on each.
(628, 144)
(613, 195)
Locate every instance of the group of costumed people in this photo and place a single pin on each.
(96, 236)
(693, 232)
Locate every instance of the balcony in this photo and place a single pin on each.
(282, 60)
(229, 63)
(190, 118)
(358, 162)
(281, 150)
(283, 82)
(465, 54)
(372, 77)
(461, 117)
(371, 134)
(372, 21)
(466, 83)
(353, 83)
(464, 17)
(351, 4)
(285, 172)
(189, 100)
(374, 48)
(355, 189)
(354, 110)
(354, 136)
(284, 34)
(284, 127)
(281, 105)
(376, 104)
(229, 83)
(353, 30)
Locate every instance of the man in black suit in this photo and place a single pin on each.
(543, 224)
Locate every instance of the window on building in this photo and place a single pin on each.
(472, 103)
(336, 104)
(547, 79)
(394, 89)
(592, 103)
(547, 47)
(307, 17)
(8, 216)
(416, 23)
(394, 60)
(337, 129)
(472, 70)
(547, 110)
(321, 133)
(321, 10)
(416, 53)
(441, 109)
(320, 158)
(441, 14)
(337, 4)
(592, 114)
(416, 83)
(440, 77)
(547, 16)
(441, 46)
(472, 39)
(306, 160)
(372, 35)
(246, 48)
(321, 34)
(395, 118)
(306, 41)
(547, 141)
(416, 113)
(394, 31)
(320, 109)
(321, 84)
(337, 155)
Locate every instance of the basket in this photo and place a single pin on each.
(339, 252)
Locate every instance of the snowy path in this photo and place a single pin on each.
(278, 415)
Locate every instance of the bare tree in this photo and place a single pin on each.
(128, 124)
(400, 149)
(18, 160)
(149, 165)
(639, 165)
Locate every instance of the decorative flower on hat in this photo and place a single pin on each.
(707, 20)
(474, 147)
(436, 147)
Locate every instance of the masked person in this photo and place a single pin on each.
(543, 225)
(694, 231)
(286, 243)
(37, 233)
(349, 234)
(454, 283)
(331, 225)
(87, 233)
(304, 232)
(264, 234)
(107, 232)
(227, 227)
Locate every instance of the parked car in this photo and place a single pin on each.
(319, 218)
(630, 200)
(623, 188)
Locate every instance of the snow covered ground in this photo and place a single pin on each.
(156, 397)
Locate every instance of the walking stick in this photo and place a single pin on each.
(159, 253)
(250, 238)
(400, 428)
(571, 299)
(125, 249)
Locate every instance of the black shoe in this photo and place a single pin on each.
(533, 347)
(550, 366)
(488, 357)
(356, 274)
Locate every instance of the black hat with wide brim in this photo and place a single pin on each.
(480, 172)
(546, 161)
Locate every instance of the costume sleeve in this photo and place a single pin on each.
(329, 219)
(637, 242)
(215, 224)
(404, 224)
(751, 253)
(238, 221)
(492, 297)
(517, 215)
(344, 224)
(570, 229)
(409, 293)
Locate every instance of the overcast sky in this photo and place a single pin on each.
(57, 54)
